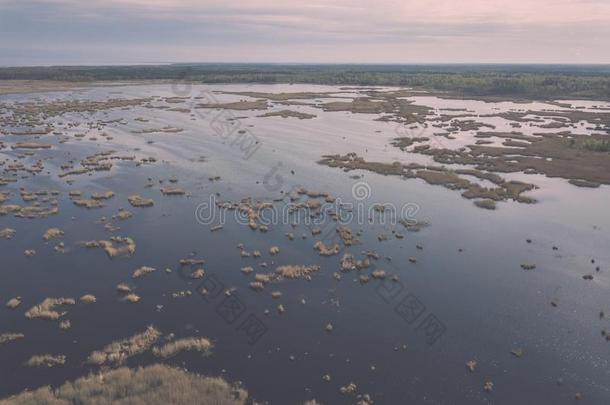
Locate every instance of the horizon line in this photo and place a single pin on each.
(159, 63)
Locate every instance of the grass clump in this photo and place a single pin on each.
(13, 303)
(10, 337)
(487, 203)
(138, 201)
(46, 309)
(7, 233)
(188, 344)
(325, 250)
(153, 385)
(172, 191)
(102, 196)
(592, 144)
(52, 233)
(142, 271)
(119, 351)
(88, 299)
(115, 247)
(46, 360)
(123, 288)
(133, 298)
(290, 271)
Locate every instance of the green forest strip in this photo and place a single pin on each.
(529, 82)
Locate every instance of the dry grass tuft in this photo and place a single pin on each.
(191, 262)
(290, 271)
(349, 263)
(87, 203)
(152, 385)
(10, 337)
(31, 145)
(115, 247)
(263, 278)
(197, 274)
(378, 274)
(288, 114)
(133, 298)
(52, 233)
(142, 271)
(13, 303)
(88, 299)
(172, 191)
(46, 360)
(29, 253)
(346, 235)
(325, 250)
(122, 215)
(45, 310)
(7, 233)
(123, 288)
(257, 285)
(138, 201)
(119, 351)
(173, 348)
(102, 196)
(488, 204)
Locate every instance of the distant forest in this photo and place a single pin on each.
(502, 81)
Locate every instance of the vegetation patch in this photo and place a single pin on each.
(238, 105)
(7, 233)
(46, 309)
(119, 351)
(138, 201)
(115, 247)
(288, 114)
(292, 271)
(155, 385)
(435, 175)
(10, 337)
(171, 349)
(52, 233)
(46, 360)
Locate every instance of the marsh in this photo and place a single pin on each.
(276, 252)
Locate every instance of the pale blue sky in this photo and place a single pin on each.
(331, 31)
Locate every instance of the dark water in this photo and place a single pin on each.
(467, 285)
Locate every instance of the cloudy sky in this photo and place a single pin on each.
(300, 31)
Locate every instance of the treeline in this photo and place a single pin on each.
(520, 81)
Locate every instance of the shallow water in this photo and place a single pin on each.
(480, 298)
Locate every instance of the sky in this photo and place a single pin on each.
(77, 32)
